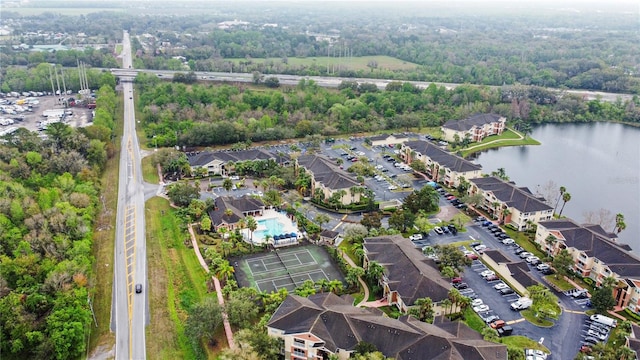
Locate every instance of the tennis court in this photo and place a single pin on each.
(286, 268)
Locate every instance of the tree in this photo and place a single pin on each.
(363, 348)
(322, 219)
(272, 82)
(353, 273)
(204, 319)
(501, 174)
(566, 197)
(450, 255)
(227, 184)
(562, 191)
(620, 224)
(425, 199)
(374, 273)
(252, 225)
(371, 220)
(563, 263)
(241, 310)
(602, 298)
(551, 242)
(422, 309)
(182, 194)
(401, 220)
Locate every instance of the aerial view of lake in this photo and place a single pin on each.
(598, 164)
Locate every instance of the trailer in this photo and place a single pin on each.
(53, 113)
(604, 320)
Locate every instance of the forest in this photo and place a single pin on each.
(175, 113)
(49, 200)
(570, 45)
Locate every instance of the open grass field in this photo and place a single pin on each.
(149, 172)
(176, 282)
(103, 251)
(354, 63)
(507, 138)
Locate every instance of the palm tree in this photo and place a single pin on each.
(566, 197)
(551, 241)
(226, 246)
(562, 191)
(505, 212)
(322, 284)
(227, 184)
(252, 224)
(620, 224)
(224, 270)
(322, 219)
(445, 304)
(454, 296)
(374, 272)
(335, 286)
(464, 303)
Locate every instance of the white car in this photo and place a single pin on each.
(508, 241)
(234, 177)
(500, 286)
(392, 187)
(524, 255)
(480, 247)
(487, 273)
(543, 266)
(438, 230)
(536, 353)
(481, 308)
(477, 302)
(415, 237)
(531, 259)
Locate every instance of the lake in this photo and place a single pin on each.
(598, 164)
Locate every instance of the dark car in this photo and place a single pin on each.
(517, 251)
(460, 286)
(138, 288)
(486, 223)
(503, 236)
(548, 272)
(506, 291)
(474, 244)
(505, 331)
(491, 318)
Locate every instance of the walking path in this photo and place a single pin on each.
(520, 137)
(362, 283)
(216, 282)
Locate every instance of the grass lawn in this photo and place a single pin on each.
(507, 138)
(473, 320)
(354, 63)
(523, 342)
(149, 172)
(530, 316)
(103, 250)
(176, 282)
(560, 282)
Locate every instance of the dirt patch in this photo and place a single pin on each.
(447, 213)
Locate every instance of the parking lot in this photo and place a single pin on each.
(30, 117)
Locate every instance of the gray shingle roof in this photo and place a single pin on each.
(476, 120)
(206, 157)
(444, 158)
(518, 197)
(596, 242)
(342, 326)
(327, 172)
(238, 206)
(409, 272)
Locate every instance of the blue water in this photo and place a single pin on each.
(274, 227)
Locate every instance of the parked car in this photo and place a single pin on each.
(543, 266)
(508, 241)
(491, 278)
(531, 259)
(548, 272)
(497, 324)
(506, 291)
(415, 237)
(591, 340)
(472, 256)
(525, 254)
(500, 286)
(456, 280)
(438, 230)
(486, 223)
(460, 286)
(487, 273)
(505, 331)
(476, 302)
(481, 308)
(491, 318)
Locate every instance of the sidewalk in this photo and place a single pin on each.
(362, 283)
(216, 282)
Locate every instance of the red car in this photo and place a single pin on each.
(472, 256)
(456, 280)
(492, 278)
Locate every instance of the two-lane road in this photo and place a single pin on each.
(129, 314)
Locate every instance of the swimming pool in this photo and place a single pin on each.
(269, 227)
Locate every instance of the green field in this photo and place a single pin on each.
(354, 63)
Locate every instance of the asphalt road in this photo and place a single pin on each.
(130, 314)
(334, 82)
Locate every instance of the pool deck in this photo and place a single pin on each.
(287, 226)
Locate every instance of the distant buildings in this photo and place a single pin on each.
(222, 162)
(476, 127)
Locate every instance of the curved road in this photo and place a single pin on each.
(129, 310)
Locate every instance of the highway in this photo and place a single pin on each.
(334, 82)
(129, 310)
